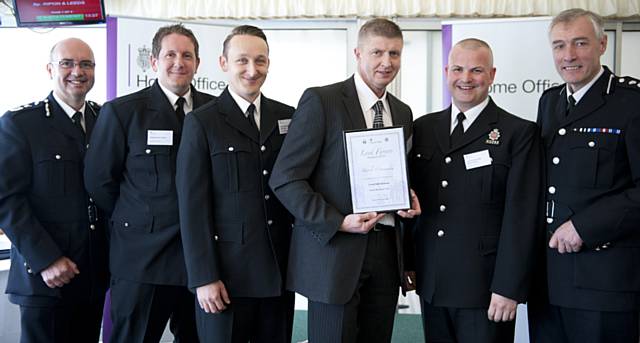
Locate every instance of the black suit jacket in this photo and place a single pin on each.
(134, 182)
(44, 207)
(595, 185)
(233, 228)
(477, 229)
(310, 178)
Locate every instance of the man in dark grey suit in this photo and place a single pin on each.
(348, 265)
(130, 172)
(235, 233)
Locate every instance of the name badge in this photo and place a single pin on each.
(477, 159)
(159, 137)
(283, 126)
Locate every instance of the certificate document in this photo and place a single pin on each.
(377, 164)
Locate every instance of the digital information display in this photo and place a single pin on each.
(29, 12)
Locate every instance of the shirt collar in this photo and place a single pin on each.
(244, 104)
(173, 97)
(68, 109)
(366, 96)
(577, 95)
(470, 114)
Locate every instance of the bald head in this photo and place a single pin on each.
(71, 67)
(473, 44)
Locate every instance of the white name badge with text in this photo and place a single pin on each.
(159, 137)
(477, 159)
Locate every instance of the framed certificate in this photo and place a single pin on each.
(376, 159)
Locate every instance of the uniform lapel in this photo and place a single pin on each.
(268, 119)
(160, 107)
(61, 122)
(352, 104)
(235, 117)
(481, 126)
(443, 129)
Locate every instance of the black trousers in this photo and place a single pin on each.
(140, 312)
(463, 325)
(553, 324)
(76, 323)
(255, 320)
(368, 316)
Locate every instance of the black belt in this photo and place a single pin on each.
(382, 228)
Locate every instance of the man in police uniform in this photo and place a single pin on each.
(58, 272)
(479, 171)
(591, 132)
(235, 233)
(130, 171)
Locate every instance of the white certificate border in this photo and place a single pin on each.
(402, 161)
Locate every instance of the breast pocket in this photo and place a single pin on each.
(421, 168)
(150, 167)
(494, 182)
(591, 159)
(234, 167)
(57, 172)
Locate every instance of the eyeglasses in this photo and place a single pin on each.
(70, 64)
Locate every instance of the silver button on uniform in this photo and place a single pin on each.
(265, 172)
(447, 160)
(230, 148)
(591, 144)
(58, 157)
(562, 131)
(263, 148)
(556, 160)
(440, 233)
(266, 197)
(443, 208)
(148, 151)
(552, 190)
(445, 183)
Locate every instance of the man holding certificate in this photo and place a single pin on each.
(478, 172)
(349, 265)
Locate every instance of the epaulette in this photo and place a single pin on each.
(29, 106)
(627, 82)
(554, 88)
(93, 104)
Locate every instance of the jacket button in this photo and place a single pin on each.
(58, 157)
(263, 148)
(230, 148)
(440, 233)
(215, 237)
(447, 160)
(126, 224)
(555, 160)
(443, 208)
(148, 151)
(562, 131)
(444, 183)
(25, 263)
(549, 220)
(92, 227)
(265, 172)
(591, 144)
(418, 155)
(552, 190)
(29, 271)
(87, 146)
(266, 197)
(269, 222)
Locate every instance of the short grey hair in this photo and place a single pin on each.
(570, 15)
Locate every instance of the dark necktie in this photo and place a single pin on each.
(77, 121)
(180, 109)
(458, 131)
(378, 107)
(571, 105)
(250, 114)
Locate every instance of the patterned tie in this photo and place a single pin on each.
(378, 107)
(250, 114)
(571, 105)
(458, 131)
(180, 109)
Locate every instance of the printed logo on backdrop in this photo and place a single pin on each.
(144, 58)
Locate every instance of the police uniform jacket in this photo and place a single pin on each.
(44, 209)
(233, 228)
(593, 164)
(133, 180)
(311, 179)
(476, 232)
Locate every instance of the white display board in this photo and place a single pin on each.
(129, 49)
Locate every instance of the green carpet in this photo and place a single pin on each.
(406, 329)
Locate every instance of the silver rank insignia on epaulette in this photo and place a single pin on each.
(47, 108)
